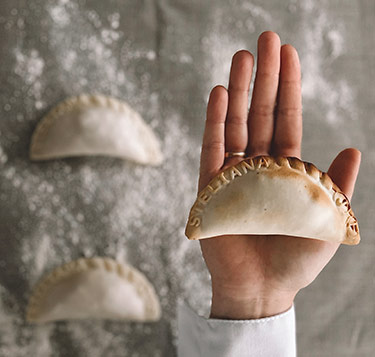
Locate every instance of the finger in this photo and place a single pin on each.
(344, 170)
(261, 114)
(239, 84)
(288, 124)
(212, 156)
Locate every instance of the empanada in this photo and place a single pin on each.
(267, 195)
(94, 288)
(95, 125)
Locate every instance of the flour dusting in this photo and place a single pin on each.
(335, 96)
(101, 206)
(221, 48)
(97, 206)
(3, 155)
(58, 211)
(29, 67)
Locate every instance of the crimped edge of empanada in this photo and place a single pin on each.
(125, 271)
(86, 101)
(270, 163)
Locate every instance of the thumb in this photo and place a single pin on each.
(344, 170)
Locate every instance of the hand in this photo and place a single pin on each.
(255, 276)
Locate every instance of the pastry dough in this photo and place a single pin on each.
(94, 288)
(267, 195)
(95, 125)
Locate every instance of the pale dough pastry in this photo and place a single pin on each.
(267, 195)
(95, 125)
(94, 288)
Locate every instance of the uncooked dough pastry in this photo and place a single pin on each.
(95, 125)
(94, 288)
(267, 195)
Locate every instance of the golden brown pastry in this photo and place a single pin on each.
(273, 195)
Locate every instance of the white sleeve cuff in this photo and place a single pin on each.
(270, 336)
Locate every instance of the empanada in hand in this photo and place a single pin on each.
(267, 195)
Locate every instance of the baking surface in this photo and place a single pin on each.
(163, 57)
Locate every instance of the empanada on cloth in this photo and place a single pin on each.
(94, 288)
(95, 125)
(273, 195)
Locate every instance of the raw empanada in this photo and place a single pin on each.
(267, 195)
(95, 125)
(94, 288)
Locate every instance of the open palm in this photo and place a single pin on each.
(256, 275)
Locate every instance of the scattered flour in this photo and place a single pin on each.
(12, 332)
(323, 43)
(95, 206)
(337, 42)
(42, 254)
(334, 96)
(60, 15)
(114, 20)
(256, 11)
(89, 53)
(29, 66)
(103, 206)
(137, 216)
(3, 155)
(220, 49)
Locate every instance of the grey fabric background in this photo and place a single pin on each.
(162, 57)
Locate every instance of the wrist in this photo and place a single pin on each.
(242, 305)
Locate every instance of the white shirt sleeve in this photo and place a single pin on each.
(273, 336)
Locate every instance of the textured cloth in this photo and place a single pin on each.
(163, 57)
(270, 336)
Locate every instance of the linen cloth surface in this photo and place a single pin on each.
(162, 57)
